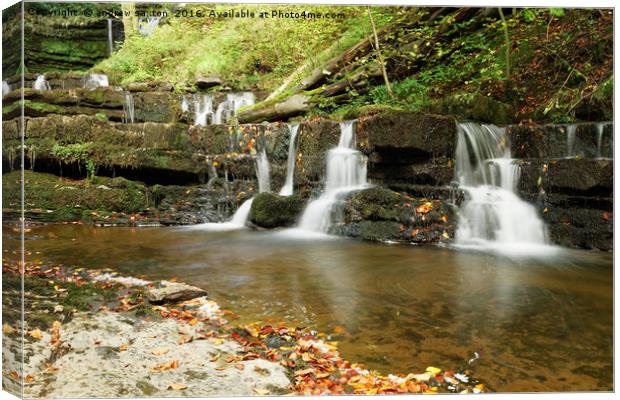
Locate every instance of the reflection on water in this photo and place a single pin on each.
(536, 324)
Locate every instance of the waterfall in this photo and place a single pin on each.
(128, 108)
(600, 131)
(41, 83)
(234, 101)
(346, 172)
(287, 189)
(110, 38)
(492, 214)
(93, 81)
(262, 172)
(6, 88)
(240, 216)
(184, 104)
(203, 109)
(570, 140)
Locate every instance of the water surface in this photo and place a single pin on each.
(537, 324)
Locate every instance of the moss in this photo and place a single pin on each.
(270, 210)
(71, 200)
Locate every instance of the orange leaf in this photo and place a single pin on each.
(177, 386)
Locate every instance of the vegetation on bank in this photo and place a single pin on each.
(543, 64)
(245, 52)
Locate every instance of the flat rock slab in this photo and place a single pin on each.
(173, 293)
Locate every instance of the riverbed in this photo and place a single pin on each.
(524, 323)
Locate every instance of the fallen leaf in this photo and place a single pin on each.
(194, 321)
(55, 333)
(261, 392)
(36, 334)
(159, 351)
(14, 375)
(240, 367)
(433, 370)
(165, 366)
(58, 308)
(177, 386)
(7, 329)
(122, 347)
(29, 378)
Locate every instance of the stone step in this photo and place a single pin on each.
(590, 140)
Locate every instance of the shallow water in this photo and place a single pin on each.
(537, 324)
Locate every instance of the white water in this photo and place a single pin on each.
(203, 109)
(184, 104)
(206, 114)
(110, 38)
(227, 109)
(6, 88)
(41, 83)
(287, 189)
(493, 216)
(128, 108)
(600, 130)
(92, 81)
(240, 216)
(570, 140)
(263, 172)
(346, 172)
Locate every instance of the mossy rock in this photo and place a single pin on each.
(474, 107)
(271, 211)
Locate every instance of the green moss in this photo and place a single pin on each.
(270, 210)
(71, 200)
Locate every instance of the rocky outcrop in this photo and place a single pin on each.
(475, 108)
(105, 102)
(552, 141)
(380, 214)
(574, 197)
(272, 211)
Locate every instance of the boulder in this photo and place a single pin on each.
(173, 293)
(271, 211)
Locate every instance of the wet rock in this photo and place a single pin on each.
(585, 177)
(173, 293)
(271, 211)
(380, 214)
(551, 141)
(416, 136)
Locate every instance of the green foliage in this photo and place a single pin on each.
(244, 52)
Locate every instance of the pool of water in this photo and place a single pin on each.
(537, 324)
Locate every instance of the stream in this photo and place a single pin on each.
(536, 324)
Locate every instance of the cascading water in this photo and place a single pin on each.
(240, 216)
(228, 108)
(184, 104)
(346, 172)
(287, 189)
(263, 172)
(6, 88)
(570, 140)
(93, 81)
(128, 108)
(492, 215)
(110, 37)
(41, 83)
(600, 131)
(203, 109)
